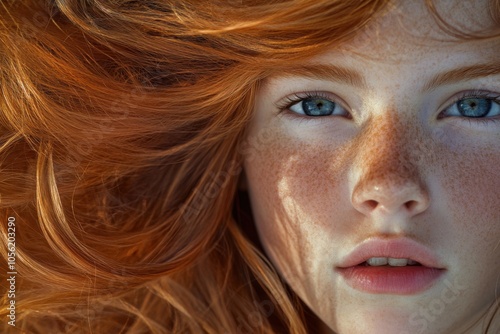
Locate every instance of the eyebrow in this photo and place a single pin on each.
(462, 74)
(353, 78)
(324, 72)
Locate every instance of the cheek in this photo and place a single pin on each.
(295, 181)
(474, 199)
(295, 190)
(471, 227)
(478, 186)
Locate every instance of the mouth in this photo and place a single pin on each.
(389, 262)
(399, 266)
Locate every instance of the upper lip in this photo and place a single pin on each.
(403, 248)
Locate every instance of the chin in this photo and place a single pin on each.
(366, 325)
(398, 319)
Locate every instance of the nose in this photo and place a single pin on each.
(388, 178)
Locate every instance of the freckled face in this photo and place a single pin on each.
(400, 152)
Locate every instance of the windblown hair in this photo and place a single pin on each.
(121, 137)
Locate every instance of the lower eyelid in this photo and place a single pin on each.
(474, 122)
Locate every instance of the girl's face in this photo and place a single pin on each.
(383, 150)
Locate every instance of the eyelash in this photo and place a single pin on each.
(478, 94)
(297, 97)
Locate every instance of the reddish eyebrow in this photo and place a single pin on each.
(353, 78)
(324, 72)
(462, 74)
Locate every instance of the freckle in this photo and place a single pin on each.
(391, 150)
(479, 187)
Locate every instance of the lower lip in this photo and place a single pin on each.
(391, 280)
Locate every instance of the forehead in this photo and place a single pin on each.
(405, 46)
(407, 27)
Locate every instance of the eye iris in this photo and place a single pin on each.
(474, 107)
(318, 107)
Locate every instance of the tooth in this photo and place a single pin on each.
(397, 262)
(377, 261)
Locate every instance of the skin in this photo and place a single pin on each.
(389, 167)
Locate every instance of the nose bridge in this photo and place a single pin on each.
(388, 177)
(385, 157)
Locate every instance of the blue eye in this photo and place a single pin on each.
(314, 106)
(474, 107)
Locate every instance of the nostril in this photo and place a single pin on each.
(411, 205)
(408, 197)
(371, 204)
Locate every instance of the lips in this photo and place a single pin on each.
(425, 269)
